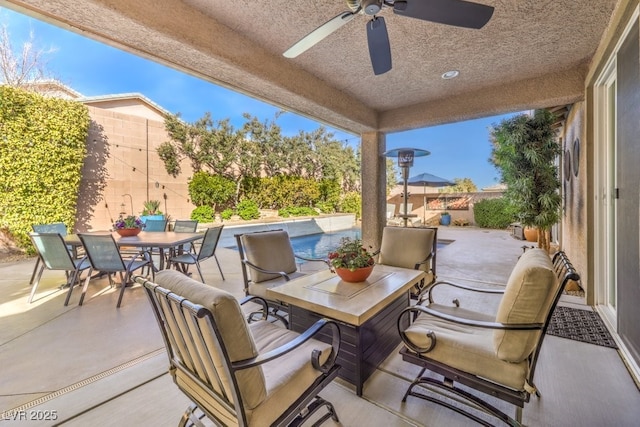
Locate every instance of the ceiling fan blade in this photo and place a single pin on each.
(319, 34)
(459, 13)
(379, 49)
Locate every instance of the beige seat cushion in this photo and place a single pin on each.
(260, 289)
(269, 250)
(527, 299)
(232, 326)
(405, 247)
(466, 348)
(286, 377)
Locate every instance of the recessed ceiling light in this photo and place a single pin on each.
(450, 74)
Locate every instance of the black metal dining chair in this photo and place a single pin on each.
(104, 256)
(54, 255)
(207, 250)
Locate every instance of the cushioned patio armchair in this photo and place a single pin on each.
(494, 354)
(267, 260)
(410, 248)
(240, 374)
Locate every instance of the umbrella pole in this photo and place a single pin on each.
(424, 204)
(405, 177)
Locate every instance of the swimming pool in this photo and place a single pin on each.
(319, 245)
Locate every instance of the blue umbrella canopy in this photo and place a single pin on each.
(429, 180)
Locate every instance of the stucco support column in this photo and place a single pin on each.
(374, 187)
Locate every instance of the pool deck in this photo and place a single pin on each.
(98, 365)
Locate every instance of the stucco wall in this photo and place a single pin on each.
(432, 216)
(574, 189)
(122, 159)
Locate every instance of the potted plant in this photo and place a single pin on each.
(525, 150)
(445, 218)
(151, 210)
(129, 225)
(351, 261)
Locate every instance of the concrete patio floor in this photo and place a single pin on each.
(96, 365)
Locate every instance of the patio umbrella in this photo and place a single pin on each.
(428, 180)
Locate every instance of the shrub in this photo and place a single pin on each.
(352, 203)
(248, 209)
(297, 211)
(493, 213)
(226, 214)
(326, 207)
(203, 214)
(210, 190)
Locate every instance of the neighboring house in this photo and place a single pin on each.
(495, 188)
(122, 169)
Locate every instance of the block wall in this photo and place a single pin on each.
(122, 170)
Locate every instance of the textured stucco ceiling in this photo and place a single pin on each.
(532, 53)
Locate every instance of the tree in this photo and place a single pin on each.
(524, 151)
(463, 185)
(257, 149)
(21, 69)
(392, 174)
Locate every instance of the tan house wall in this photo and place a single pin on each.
(574, 229)
(122, 159)
(130, 106)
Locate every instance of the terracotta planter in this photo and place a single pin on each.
(128, 232)
(531, 234)
(355, 276)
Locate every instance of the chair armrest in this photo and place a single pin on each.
(326, 261)
(429, 295)
(473, 322)
(140, 254)
(416, 309)
(426, 260)
(259, 300)
(262, 270)
(292, 345)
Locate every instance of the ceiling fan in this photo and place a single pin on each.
(459, 13)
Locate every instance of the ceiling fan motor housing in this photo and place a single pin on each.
(371, 7)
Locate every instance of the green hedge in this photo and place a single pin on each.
(297, 211)
(42, 149)
(493, 213)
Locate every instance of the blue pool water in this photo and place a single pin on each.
(319, 245)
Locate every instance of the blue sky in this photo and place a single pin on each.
(459, 150)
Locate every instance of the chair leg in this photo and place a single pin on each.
(36, 283)
(85, 286)
(216, 258)
(199, 271)
(123, 279)
(71, 283)
(311, 409)
(473, 400)
(35, 269)
(190, 418)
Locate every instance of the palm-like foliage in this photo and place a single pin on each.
(524, 151)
